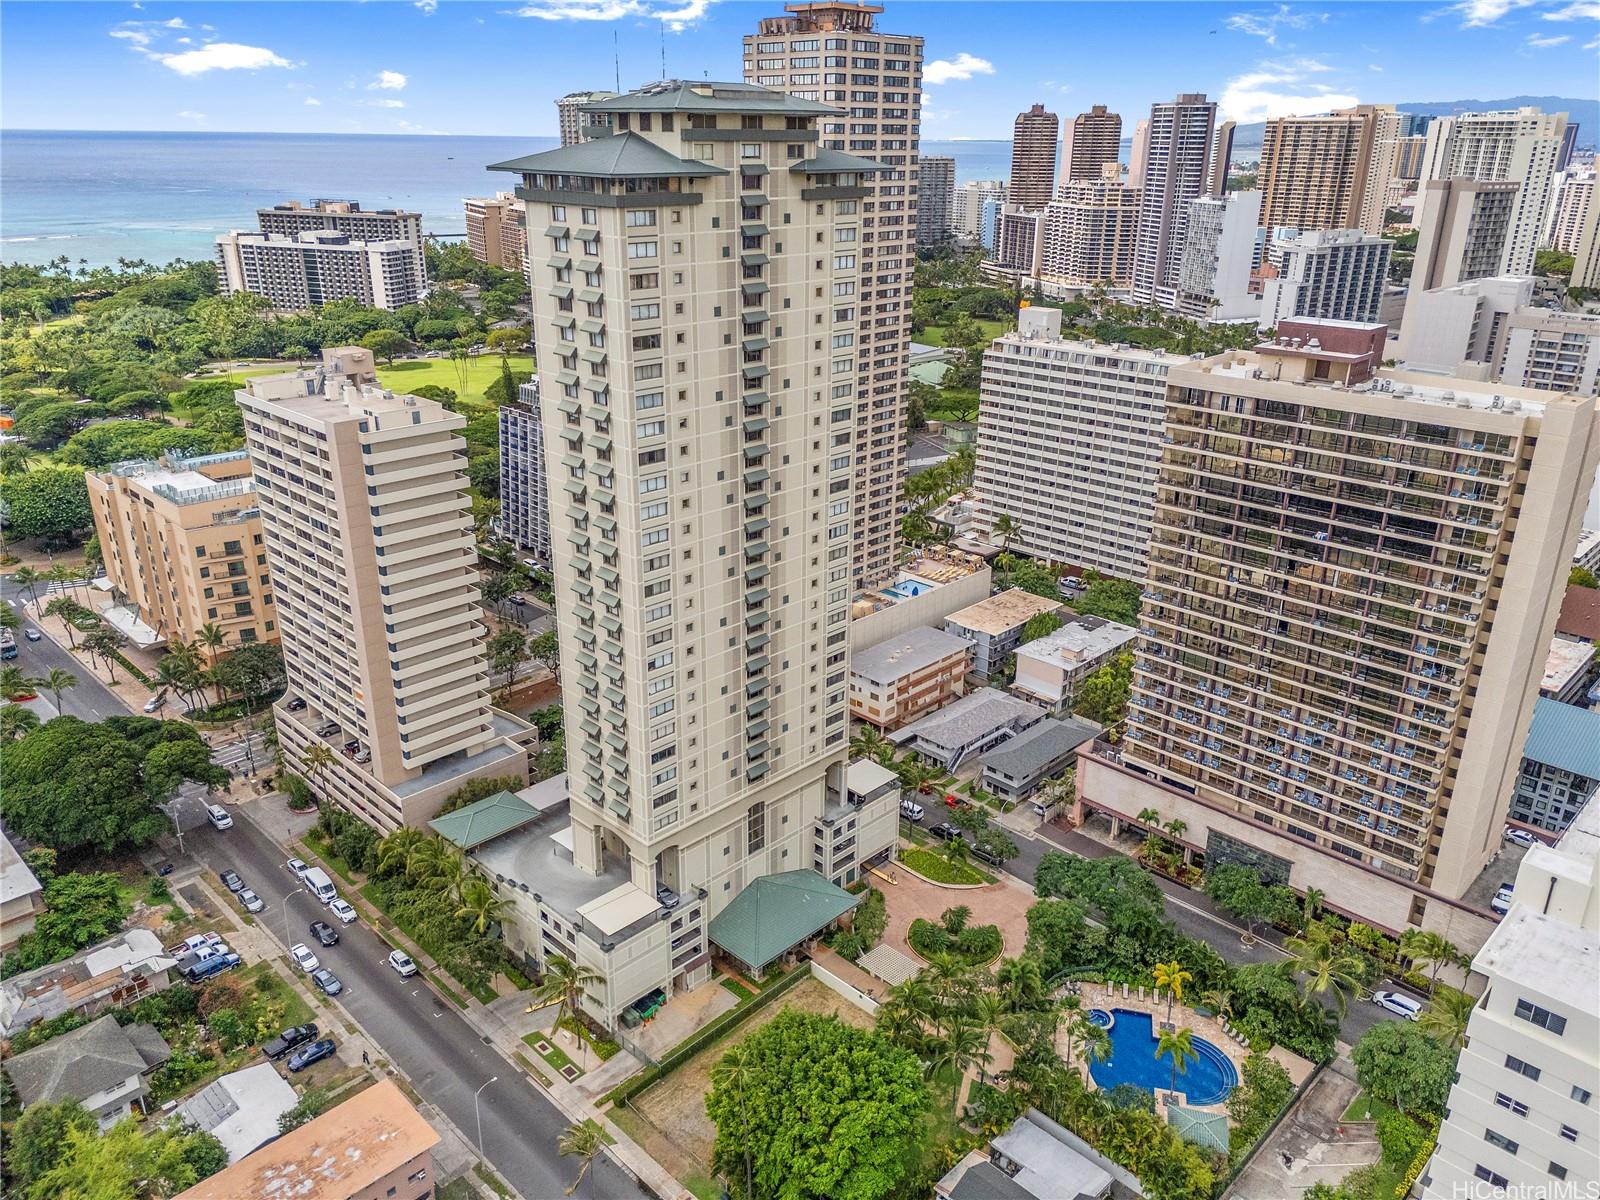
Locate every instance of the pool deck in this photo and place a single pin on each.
(1149, 1000)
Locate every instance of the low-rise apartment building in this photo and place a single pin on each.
(1560, 770)
(1568, 669)
(21, 895)
(907, 675)
(968, 727)
(860, 828)
(182, 548)
(994, 626)
(1019, 767)
(1052, 668)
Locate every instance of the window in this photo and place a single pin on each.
(647, 371)
(591, 216)
(1482, 1172)
(755, 828)
(644, 312)
(750, 150)
(1557, 1171)
(1581, 1095)
(1515, 1106)
(647, 341)
(646, 400)
(648, 279)
(1500, 1140)
(1542, 1017)
(640, 217)
(1513, 1063)
(1568, 1132)
(844, 262)
(652, 483)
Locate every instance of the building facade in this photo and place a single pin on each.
(495, 231)
(1069, 439)
(1571, 210)
(1520, 1118)
(1034, 145)
(181, 542)
(967, 206)
(1552, 351)
(1221, 252)
(316, 267)
(903, 677)
(1050, 669)
(1560, 770)
(290, 219)
(1324, 172)
(1093, 141)
(881, 122)
(1317, 636)
(1020, 240)
(524, 474)
(994, 625)
(1090, 230)
(1175, 164)
(936, 186)
(569, 114)
(363, 499)
(1326, 275)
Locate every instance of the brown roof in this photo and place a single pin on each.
(344, 1150)
(1007, 610)
(1580, 614)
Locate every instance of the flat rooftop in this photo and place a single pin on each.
(539, 855)
(1081, 638)
(1566, 659)
(1481, 396)
(328, 396)
(917, 649)
(1545, 955)
(999, 614)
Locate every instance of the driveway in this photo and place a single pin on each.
(1312, 1144)
(1004, 904)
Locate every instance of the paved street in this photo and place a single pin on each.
(422, 1034)
(91, 700)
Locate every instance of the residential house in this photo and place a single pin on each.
(101, 1065)
(112, 974)
(21, 895)
(977, 722)
(1016, 768)
(1037, 1159)
(241, 1109)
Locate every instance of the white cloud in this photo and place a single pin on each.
(963, 66)
(314, 102)
(1374, 67)
(1280, 90)
(1475, 14)
(385, 103)
(1577, 10)
(137, 36)
(428, 7)
(1268, 23)
(1544, 43)
(676, 18)
(222, 56)
(388, 81)
(189, 115)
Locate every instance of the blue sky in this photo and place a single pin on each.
(494, 66)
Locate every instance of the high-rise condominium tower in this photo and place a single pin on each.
(1342, 652)
(569, 111)
(693, 312)
(1177, 158)
(1033, 158)
(833, 52)
(1328, 275)
(1521, 145)
(1221, 158)
(363, 498)
(967, 208)
(1572, 210)
(1093, 139)
(1463, 226)
(1320, 172)
(495, 232)
(1138, 151)
(1221, 251)
(1089, 232)
(935, 199)
(525, 474)
(346, 216)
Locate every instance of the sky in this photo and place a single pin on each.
(496, 66)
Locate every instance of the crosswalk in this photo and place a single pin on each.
(244, 755)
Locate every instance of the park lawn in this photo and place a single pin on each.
(1363, 1104)
(482, 370)
(933, 335)
(940, 869)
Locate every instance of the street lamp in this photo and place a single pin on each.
(479, 1115)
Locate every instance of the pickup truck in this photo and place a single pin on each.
(206, 968)
(289, 1039)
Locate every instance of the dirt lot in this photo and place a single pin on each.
(675, 1130)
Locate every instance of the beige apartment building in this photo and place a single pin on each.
(495, 231)
(1033, 158)
(290, 219)
(1573, 202)
(1462, 229)
(1093, 142)
(363, 499)
(569, 112)
(698, 387)
(1090, 230)
(905, 676)
(1353, 581)
(835, 53)
(182, 547)
(318, 266)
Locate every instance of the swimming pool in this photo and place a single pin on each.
(908, 588)
(1209, 1079)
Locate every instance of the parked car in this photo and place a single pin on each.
(343, 910)
(289, 1039)
(303, 958)
(252, 902)
(219, 817)
(326, 728)
(327, 981)
(401, 962)
(297, 869)
(911, 810)
(1520, 837)
(33, 635)
(209, 967)
(296, 704)
(194, 942)
(984, 854)
(666, 897)
(155, 702)
(325, 934)
(944, 831)
(1501, 903)
(314, 1053)
(231, 880)
(1398, 1003)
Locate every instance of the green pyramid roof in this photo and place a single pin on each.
(777, 911)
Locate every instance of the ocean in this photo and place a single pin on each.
(98, 197)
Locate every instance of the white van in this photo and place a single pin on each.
(218, 816)
(319, 885)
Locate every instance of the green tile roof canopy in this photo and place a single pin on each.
(484, 821)
(832, 162)
(623, 156)
(697, 95)
(776, 912)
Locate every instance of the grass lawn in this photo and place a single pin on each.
(741, 993)
(557, 1057)
(273, 986)
(933, 335)
(319, 849)
(1364, 1104)
(481, 372)
(940, 869)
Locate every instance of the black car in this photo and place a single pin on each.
(326, 934)
(984, 854)
(306, 1055)
(327, 981)
(289, 1039)
(231, 880)
(944, 831)
(296, 704)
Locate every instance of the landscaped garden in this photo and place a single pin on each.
(969, 945)
(932, 865)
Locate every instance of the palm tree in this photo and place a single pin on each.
(956, 850)
(479, 901)
(1176, 828)
(869, 742)
(567, 981)
(1091, 1041)
(1425, 947)
(16, 722)
(69, 610)
(59, 681)
(736, 1072)
(1326, 967)
(583, 1142)
(1021, 981)
(27, 577)
(1172, 976)
(1178, 1044)
(213, 639)
(318, 758)
(396, 849)
(1445, 1019)
(1313, 904)
(1150, 817)
(916, 774)
(14, 685)
(963, 1046)
(63, 574)
(1005, 528)
(1219, 1001)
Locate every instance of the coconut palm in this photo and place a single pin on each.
(69, 610)
(212, 639)
(568, 983)
(318, 758)
(27, 577)
(479, 902)
(1086, 1041)
(1178, 1045)
(583, 1142)
(916, 774)
(62, 574)
(16, 722)
(1021, 982)
(1313, 904)
(963, 1046)
(58, 681)
(1172, 976)
(736, 1072)
(1005, 528)
(1325, 968)
(869, 742)
(1424, 947)
(396, 849)
(1445, 1018)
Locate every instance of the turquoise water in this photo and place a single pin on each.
(1208, 1080)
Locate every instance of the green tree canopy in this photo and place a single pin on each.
(1113, 599)
(48, 502)
(1401, 1064)
(1040, 625)
(825, 1111)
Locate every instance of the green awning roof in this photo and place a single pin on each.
(623, 155)
(1205, 1129)
(484, 821)
(776, 912)
(833, 162)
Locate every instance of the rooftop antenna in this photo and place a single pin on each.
(616, 60)
(663, 49)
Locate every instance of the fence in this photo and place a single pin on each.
(849, 991)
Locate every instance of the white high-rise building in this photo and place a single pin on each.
(967, 206)
(1175, 167)
(1325, 275)
(1089, 232)
(1069, 440)
(1521, 1116)
(1520, 145)
(1571, 210)
(1221, 250)
(292, 218)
